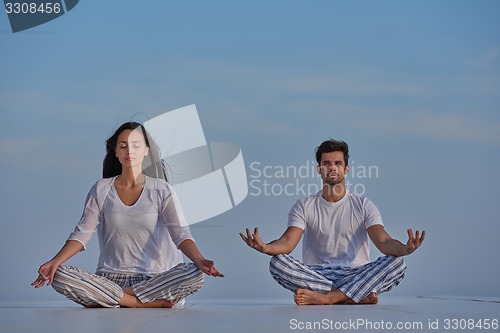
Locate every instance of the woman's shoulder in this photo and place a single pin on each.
(101, 188)
(104, 181)
(102, 184)
(158, 184)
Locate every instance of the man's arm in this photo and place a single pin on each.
(283, 245)
(389, 246)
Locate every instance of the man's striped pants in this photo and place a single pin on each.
(356, 283)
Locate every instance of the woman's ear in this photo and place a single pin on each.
(146, 151)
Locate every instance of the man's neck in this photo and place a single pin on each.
(333, 193)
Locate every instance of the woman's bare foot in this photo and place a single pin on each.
(129, 300)
(92, 306)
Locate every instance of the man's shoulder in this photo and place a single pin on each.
(303, 205)
(361, 203)
(359, 198)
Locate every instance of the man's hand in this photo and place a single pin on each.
(254, 240)
(413, 242)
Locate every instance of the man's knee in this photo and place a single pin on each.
(396, 265)
(282, 265)
(276, 262)
(400, 263)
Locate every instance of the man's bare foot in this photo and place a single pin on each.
(309, 297)
(129, 300)
(372, 298)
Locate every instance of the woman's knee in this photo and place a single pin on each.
(59, 276)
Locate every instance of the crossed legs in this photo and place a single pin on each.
(161, 291)
(337, 285)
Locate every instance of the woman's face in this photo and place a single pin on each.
(131, 147)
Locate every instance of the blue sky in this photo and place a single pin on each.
(412, 86)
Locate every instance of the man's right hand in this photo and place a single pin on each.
(254, 240)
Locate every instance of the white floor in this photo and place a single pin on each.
(397, 314)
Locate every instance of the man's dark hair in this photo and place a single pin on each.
(330, 146)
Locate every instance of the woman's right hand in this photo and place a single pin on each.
(45, 273)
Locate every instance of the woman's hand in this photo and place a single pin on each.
(45, 273)
(207, 267)
(188, 247)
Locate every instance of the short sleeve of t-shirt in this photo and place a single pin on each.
(372, 214)
(296, 216)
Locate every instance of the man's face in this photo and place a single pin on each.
(332, 168)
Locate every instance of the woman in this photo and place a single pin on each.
(141, 231)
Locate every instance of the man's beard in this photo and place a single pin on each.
(333, 182)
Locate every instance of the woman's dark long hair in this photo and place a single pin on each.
(153, 165)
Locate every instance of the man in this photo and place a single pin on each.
(336, 225)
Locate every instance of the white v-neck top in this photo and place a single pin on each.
(139, 239)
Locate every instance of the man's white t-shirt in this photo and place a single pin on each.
(335, 233)
(138, 239)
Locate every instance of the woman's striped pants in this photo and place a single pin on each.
(105, 290)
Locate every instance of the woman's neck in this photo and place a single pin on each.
(130, 177)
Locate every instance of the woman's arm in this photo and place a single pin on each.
(46, 271)
(189, 248)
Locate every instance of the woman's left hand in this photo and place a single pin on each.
(207, 267)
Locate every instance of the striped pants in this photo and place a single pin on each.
(356, 283)
(105, 290)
